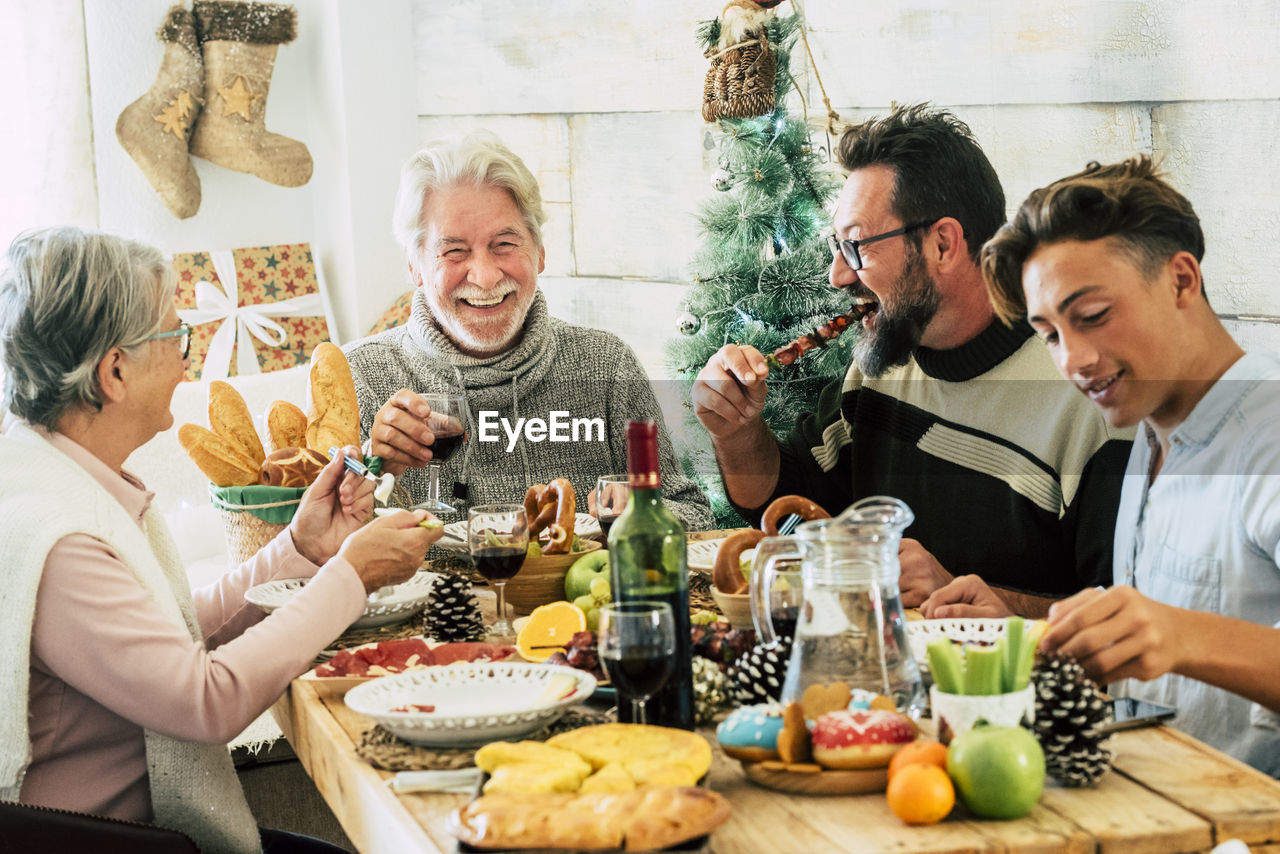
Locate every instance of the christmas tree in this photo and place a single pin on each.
(760, 277)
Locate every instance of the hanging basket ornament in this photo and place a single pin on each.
(739, 83)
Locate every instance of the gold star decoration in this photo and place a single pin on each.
(174, 117)
(237, 99)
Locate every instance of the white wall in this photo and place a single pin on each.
(602, 100)
(606, 100)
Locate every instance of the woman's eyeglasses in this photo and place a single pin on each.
(182, 333)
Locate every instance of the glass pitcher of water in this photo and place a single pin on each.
(850, 626)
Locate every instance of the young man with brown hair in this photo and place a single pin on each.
(1105, 264)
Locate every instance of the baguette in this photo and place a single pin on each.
(221, 461)
(286, 426)
(333, 414)
(229, 417)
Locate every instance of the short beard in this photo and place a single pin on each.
(898, 329)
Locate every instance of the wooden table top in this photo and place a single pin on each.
(1167, 792)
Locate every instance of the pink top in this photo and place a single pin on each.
(106, 662)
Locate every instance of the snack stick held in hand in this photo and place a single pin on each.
(221, 461)
(819, 337)
(286, 426)
(229, 417)
(333, 414)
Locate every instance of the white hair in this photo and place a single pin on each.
(67, 297)
(478, 158)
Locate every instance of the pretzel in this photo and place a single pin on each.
(786, 506)
(726, 574)
(552, 507)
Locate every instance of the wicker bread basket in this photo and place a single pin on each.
(253, 516)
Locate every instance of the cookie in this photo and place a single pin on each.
(794, 745)
(817, 700)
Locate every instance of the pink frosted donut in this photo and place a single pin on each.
(860, 738)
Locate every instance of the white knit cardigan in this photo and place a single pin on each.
(44, 496)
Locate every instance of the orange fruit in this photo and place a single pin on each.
(548, 630)
(922, 752)
(921, 794)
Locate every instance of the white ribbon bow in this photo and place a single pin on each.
(214, 303)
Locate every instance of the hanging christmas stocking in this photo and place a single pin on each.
(154, 129)
(239, 42)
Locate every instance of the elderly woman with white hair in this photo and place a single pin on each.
(120, 685)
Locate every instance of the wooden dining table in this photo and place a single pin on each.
(1166, 792)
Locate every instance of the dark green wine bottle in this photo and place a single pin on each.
(647, 560)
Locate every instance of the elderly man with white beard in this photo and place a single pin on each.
(469, 217)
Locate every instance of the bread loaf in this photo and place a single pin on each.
(286, 426)
(297, 467)
(645, 819)
(229, 417)
(333, 415)
(221, 461)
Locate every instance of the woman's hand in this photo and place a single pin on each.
(332, 508)
(389, 550)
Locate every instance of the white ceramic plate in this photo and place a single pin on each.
(584, 525)
(964, 630)
(702, 555)
(396, 605)
(473, 703)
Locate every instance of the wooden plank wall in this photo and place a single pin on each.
(602, 99)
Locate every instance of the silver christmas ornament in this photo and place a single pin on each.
(687, 323)
(722, 179)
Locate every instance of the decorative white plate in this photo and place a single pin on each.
(398, 604)
(473, 703)
(702, 555)
(584, 525)
(963, 630)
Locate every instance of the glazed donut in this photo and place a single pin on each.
(726, 574)
(861, 738)
(560, 496)
(784, 507)
(751, 732)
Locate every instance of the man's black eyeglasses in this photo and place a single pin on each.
(848, 249)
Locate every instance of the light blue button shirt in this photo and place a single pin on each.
(1206, 535)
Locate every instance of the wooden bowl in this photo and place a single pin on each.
(541, 579)
(736, 607)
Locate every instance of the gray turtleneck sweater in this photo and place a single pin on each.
(556, 367)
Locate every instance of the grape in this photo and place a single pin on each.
(584, 603)
(600, 590)
(593, 619)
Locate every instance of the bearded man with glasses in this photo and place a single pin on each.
(944, 407)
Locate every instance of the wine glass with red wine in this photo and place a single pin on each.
(448, 421)
(637, 648)
(497, 536)
(612, 492)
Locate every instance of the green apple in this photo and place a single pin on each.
(998, 770)
(577, 581)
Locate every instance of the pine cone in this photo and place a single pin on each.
(1069, 710)
(710, 690)
(757, 675)
(453, 614)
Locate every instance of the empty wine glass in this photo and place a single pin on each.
(637, 646)
(448, 421)
(498, 537)
(612, 492)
